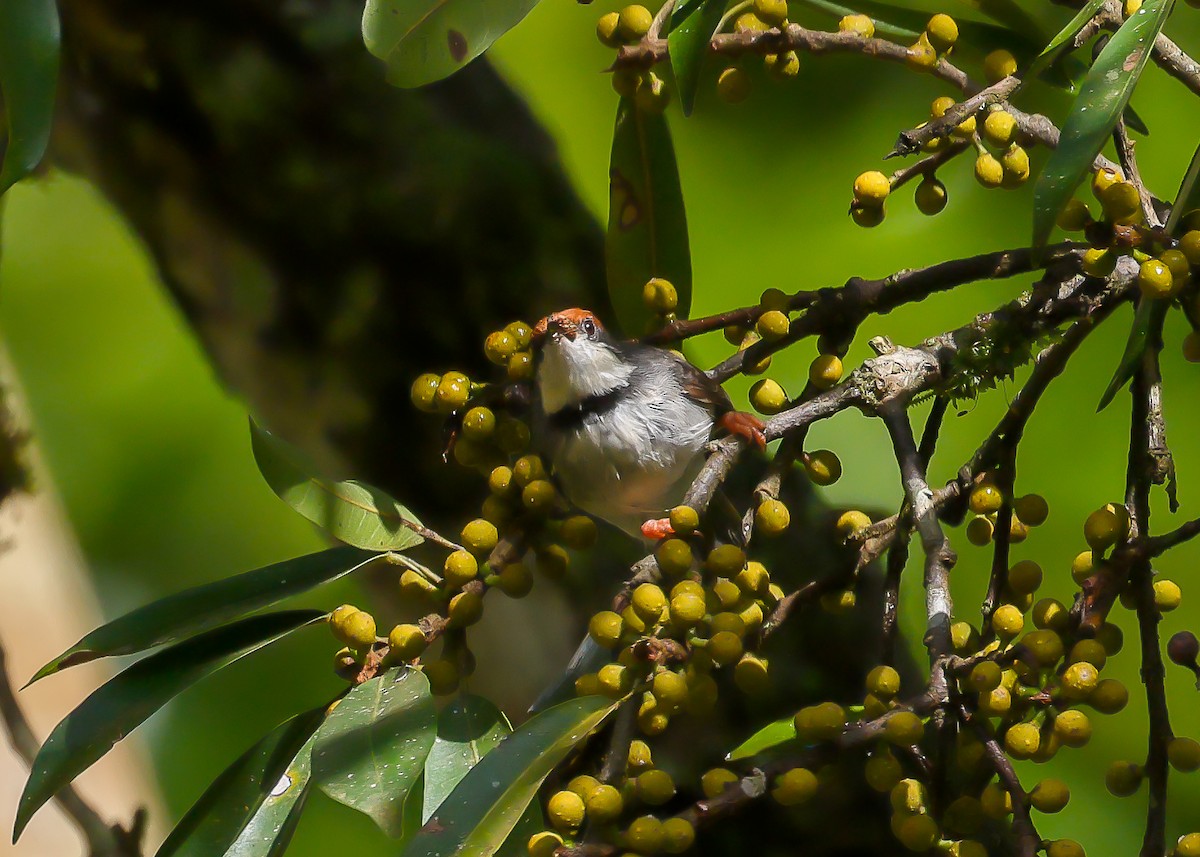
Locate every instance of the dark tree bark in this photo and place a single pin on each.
(328, 237)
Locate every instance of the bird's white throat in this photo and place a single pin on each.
(573, 370)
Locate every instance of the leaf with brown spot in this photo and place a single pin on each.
(426, 40)
(647, 225)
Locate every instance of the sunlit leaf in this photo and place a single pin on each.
(647, 227)
(467, 729)
(371, 750)
(29, 44)
(687, 46)
(771, 735)
(1188, 198)
(487, 804)
(1103, 95)
(124, 702)
(425, 40)
(247, 807)
(1147, 324)
(203, 607)
(352, 512)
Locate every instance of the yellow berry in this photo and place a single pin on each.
(460, 568)
(1167, 595)
(917, 832)
(772, 12)
(605, 628)
(1155, 280)
(1098, 262)
(1064, 848)
(725, 647)
(654, 787)
(942, 32)
(772, 518)
(783, 66)
(466, 608)
(825, 371)
(1025, 576)
(1189, 245)
(674, 557)
(930, 196)
(871, 188)
(353, 627)
(794, 787)
(1123, 778)
(999, 128)
(821, 722)
(1187, 845)
(733, 85)
(423, 392)
(998, 65)
(920, 55)
(1074, 216)
(1121, 202)
(660, 296)
(904, 729)
(565, 810)
(866, 216)
(984, 677)
(1079, 680)
(989, 172)
(678, 834)
(726, 560)
(751, 675)
(1103, 178)
(851, 522)
(772, 325)
(452, 393)
(985, 498)
(1022, 740)
(645, 835)
(607, 30)
(859, 25)
(1184, 754)
(714, 782)
(882, 771)
(684, 520)
(479, 537)
(543, 844)
(823, 467)
(633, 22)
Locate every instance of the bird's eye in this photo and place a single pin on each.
(589, 327)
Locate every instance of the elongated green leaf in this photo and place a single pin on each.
(1147, 324)
(124, 702)
(425, 40)
(352, 512)
(687, 46)
(1059, 43)
(486, 805)
(1188, 198)
(771, 735)
(204, 607)
(467, 729)
(1102, 97)
(267, 780)
(29, 42)
(371, 750)
(647, 227)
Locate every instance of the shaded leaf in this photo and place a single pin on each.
(687, 46)
(371, 749)
(771, 735)
(247, 807)
(1147, 326)
(29, 45)
(1102, 97)
(425, 40)
(203, 607)
(1134, 121)
(487, 804)
(352, 512)
(1188, 198)
(467, 729)
(1059, 43)
(124, 702)
(647, 227)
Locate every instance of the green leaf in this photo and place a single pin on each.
(352, 512)
(203, 607)
(245, 809)
(687, 46)
(771, 735)
(647, 227)
(487, 804)
(1188, 198)
(124, 702)
(371, 749)
(1057, 44)
(29, 43)
(467, 729)
(1147, 326)
(425, 40)
(1102, 97)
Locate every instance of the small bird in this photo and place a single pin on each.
(625, 425)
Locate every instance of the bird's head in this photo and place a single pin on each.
(577, 359)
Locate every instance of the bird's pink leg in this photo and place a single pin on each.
(746, 425)
(657, 528)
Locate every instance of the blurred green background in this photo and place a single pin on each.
(151, 457)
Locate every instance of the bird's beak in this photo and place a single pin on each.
(539, 333)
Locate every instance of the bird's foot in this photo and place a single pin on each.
(657, 528)
(746, 425)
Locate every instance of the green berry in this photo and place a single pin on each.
(514, 580)
(578, 532)
(1022, 740)
(768, 397)
(724, 647)
(883, 681)
(771, 12)
(674, 557)
(1123, 778)
(678, 835)
(980, 531)
(1109, 696)
(1072, 727)
(1045, 645)
(904, 729)
(1007, 621)
(603, 803)
(772, 518)
(645, 835)
(733, 85)
(1079, 680)
(882, 771)
(1064, 848)
(466, 608)
(605, 629)
(930, 196)
(726, 560)
(1049, 795)
(543, 844)
(660, 296)
(714, 782)
(452, 393)
(649, 602)
(1025, 577)
(443, 676)
(539, 496)
(998, 65)
(480, 537)
(684, 521)
(917, 832)
(1184, 754)
(1074, 216)
(654, 787)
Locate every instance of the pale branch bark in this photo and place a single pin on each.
(1174, 61)
(911, 141)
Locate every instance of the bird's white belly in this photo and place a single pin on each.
(628, 470)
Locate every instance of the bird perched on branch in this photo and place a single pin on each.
(625, 425)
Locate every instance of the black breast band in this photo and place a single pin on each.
(573, 416)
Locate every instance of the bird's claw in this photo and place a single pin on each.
(746, 425)
(657, 528)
